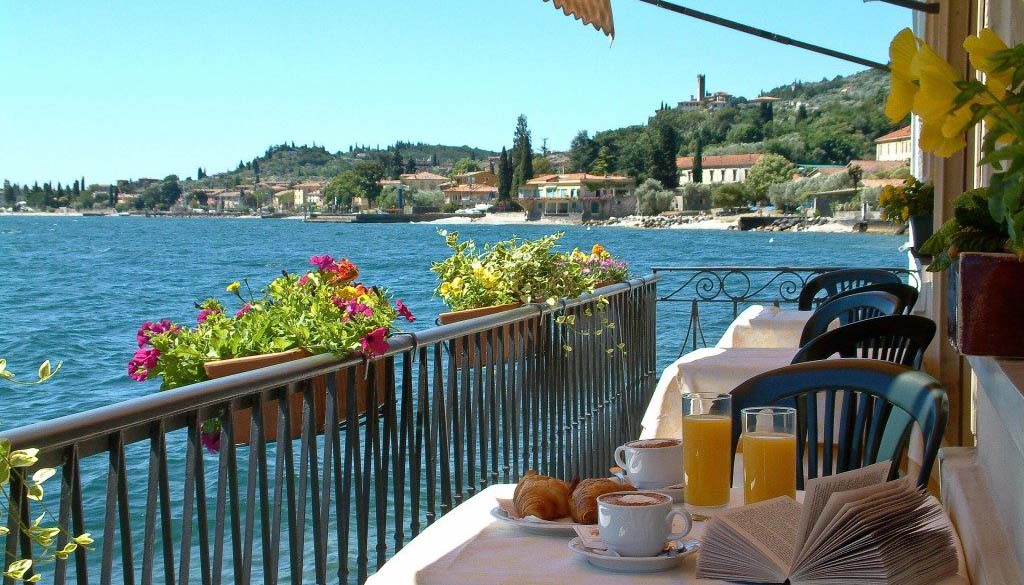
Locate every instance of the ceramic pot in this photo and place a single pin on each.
(986, 314)
(921, 228)
(240, 419)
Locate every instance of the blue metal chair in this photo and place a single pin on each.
(900, 339)
(850, 309)
(878, 403)
(837, 281)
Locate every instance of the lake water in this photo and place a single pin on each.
(76, 289)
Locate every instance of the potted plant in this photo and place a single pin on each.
(323, 311)
(983, 244)
(600, 267)
(910, 203)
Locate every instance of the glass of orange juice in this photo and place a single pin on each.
(769, 453)
(707, 448)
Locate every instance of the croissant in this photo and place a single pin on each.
(583, 503)
(541, 496)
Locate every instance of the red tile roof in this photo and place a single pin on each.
(423, 175)
(572, 177)
(720, 161)
(477, 188)
(901, 134)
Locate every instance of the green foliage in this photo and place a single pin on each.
(663, 146)
(504, 176)
(509, 271)
(426, 198)
(770, 169)
(522, 154)
(732, 195)
(542, 166)
(972, 229)
(324, 311)
(900, 203)
(465, 165)
(652, 197)
(582, 153)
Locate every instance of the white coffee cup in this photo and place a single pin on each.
(651, 463)
(637, 524)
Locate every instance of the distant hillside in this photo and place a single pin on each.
(870, 86)
(289, 162)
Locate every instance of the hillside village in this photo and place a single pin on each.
(821, 148)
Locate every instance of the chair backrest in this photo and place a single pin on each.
(837, 281)
(850, 309)
(900, 339)
(878, 404)
(907, 294)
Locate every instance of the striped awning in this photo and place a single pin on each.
(593, 12)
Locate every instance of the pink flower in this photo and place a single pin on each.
(404, 311)
(353, 308)
(141, 363)
(205, 313)
(210, 440)
(304, 280)
(375, 342)
(323, 262)
(245, 309)
(150, 328)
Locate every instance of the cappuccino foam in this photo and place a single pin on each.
(634, 499)
(653, 443)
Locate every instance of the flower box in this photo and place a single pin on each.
(240, 419)
(986, 301)
(466, 314)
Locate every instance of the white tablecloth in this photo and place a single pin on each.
(761, 326)
(708, 370)
(469, 547)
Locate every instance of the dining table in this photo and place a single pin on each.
(765, 327)
(469, 546)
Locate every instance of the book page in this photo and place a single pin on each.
(770, 526)
(818, 490)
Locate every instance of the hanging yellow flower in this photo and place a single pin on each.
(938, 90)
(934, 141)
(903, 86)
(981, 49)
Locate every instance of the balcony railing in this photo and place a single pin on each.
(724, 291)
(462, 406)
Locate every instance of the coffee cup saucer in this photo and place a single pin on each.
(608, 560)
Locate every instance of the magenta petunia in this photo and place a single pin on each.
(375, 342)
(151, 328)
(205, 314)
(141, 363)
(210, 440)
(404, 311)
(245, 309)
(304, 280)
(323, 262)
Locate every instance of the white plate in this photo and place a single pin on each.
(562, 526)
(618, 564)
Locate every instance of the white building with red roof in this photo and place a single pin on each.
(721, 168)
(894, 145)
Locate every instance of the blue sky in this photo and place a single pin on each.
(128, 89)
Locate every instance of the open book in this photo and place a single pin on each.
(853, 528)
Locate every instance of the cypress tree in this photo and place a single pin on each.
(661, 155)
(410, 166)
(698, 161)
(504, 177)
(522, 154)
(76, 189)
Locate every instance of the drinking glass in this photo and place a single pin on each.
(707, 446)
(769, 453)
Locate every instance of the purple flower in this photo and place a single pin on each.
(375, 342)
(323, 262)
(141, 363)
(404, 311)
(210, 440)
(151, 328)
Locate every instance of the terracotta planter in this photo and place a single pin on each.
(466, 314)
(240, 420)
(986, 300)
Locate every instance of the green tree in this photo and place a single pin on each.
(661, 154)
(731, 195)
(770, 169)
(522, 154)
(698, 161)
(603, 164)
(583, 152)
(410, 165)
(395, 165)
(369, 175)
(341, 189)
(76, 190)
(504, 177)
(542, 166)
(10, 198)
(465, 165)
(652, 198)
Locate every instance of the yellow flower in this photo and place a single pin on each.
(933, 140)
(957, 122)
(234, 287)
(902, 86)
(598, 251)
(938, 90)
(981, 49)
(348, 293)
(445, 289)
